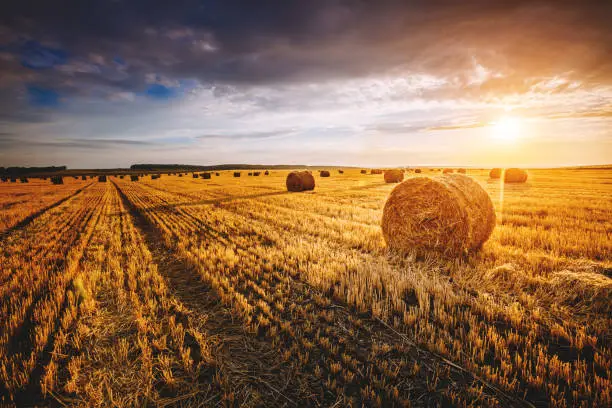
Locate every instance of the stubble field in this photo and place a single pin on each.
(232, 291)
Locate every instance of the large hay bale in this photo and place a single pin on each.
(461, 171)
(394, 176)
(417, 170)
(205, 176)
(57, 180)
(134, 177)
(449, 215)
(495, 173)
(300, 181)
(514, 175)
(102, 179)
(447, 171)
(364, 172)
(324, 173)
(236, 174)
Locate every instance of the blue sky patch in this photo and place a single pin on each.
(158, 91)
(42, 97)
(37, 56)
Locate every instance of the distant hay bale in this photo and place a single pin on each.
(218, 174)
(514, 175)
(364, 172)
(102, 179)
(417, 170)
(495, 173)
(134, 177)
(180, 175)
(266, 173)
(236, 174)
(461, 171)
(24, 180)
(13, 180)
(341, 171)
(449, 215)
(83, 177)
(195, 175)
(300, 181)
(155, 176)
(205, 176)
(447, 171)
(121, 177)
(250, 174)
(256, 173)
(376, 171)
(394, 176)
(324, 173)
(4, 179)
(57, 180)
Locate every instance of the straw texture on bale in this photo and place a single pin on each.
(300, 181)
(495, 173)
(394, 176)
(447, 171)
(324, 173)
(515, 176)
(448, 215)
(206, 176)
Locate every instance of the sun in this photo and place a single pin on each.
(507, 128)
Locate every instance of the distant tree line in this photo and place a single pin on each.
(19, 171)
(186, 167)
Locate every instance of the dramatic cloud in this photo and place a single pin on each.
(236, 71)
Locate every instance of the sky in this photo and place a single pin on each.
(110, 83)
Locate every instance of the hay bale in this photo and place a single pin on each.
(394, 176)
(495, 173)
(449, 215)
(57, 180)
(462, 171)
(83, 177)
(417, 170)
(4, 179)
(134, 177)
(341, 171)
(195, 175)
(447, 171)
(205, 176)
(324, 173)
(218, 174)
(24, 180)
(180, 175)
(300, 181)
(236, 174)
(514, 175)
(121, 177)
(13, 180)
(102, 179)
(376, 171)
(266, 173)
(257, 173)
(364, 172)
(155, 176)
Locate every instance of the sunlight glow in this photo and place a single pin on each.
(507, 128)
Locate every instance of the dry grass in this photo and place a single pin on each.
(93, 318)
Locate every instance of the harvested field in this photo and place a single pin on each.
(237, 292)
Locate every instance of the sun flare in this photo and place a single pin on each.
(507, 128)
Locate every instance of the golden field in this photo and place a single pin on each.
(234, 292)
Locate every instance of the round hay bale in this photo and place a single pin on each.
(448, 215)
(133, 177)
(266, 173)
(217, 174)
(256, 173)
(195, 175)
(300, 181)
(236, 174)
(514, 175)
(461, 171)
(57, 180)
(341, 171)
(447, 171)
(495, 173)
(394, 176)
(364, 172)
(102, 179)
(417, 170)
(205, 176)
(324, 173)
